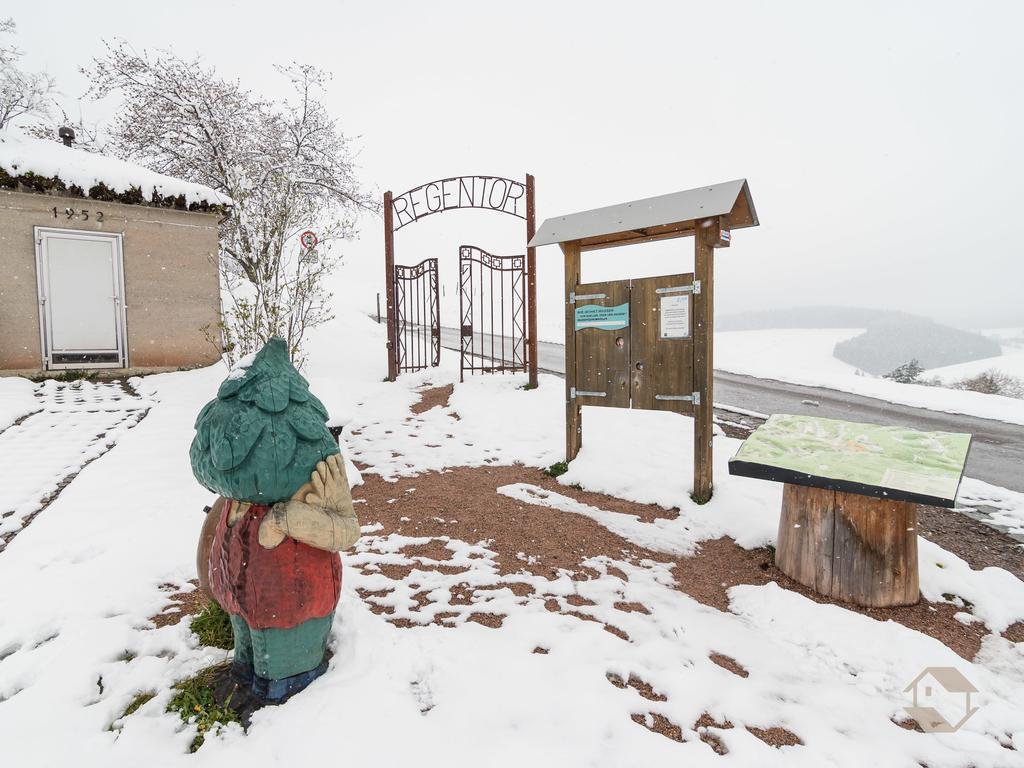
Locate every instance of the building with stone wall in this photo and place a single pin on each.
(104, 264)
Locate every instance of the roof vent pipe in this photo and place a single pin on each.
(67, 135)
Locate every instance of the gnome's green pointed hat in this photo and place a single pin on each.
(263, 435)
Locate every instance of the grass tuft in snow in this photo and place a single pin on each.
(556, 469)
(69, 376)
(137, 702)
(213, 627)
(195, 703)
(960, 602)
(701, 499)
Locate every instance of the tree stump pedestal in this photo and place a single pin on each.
(859, 549)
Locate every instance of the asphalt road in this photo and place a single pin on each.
(997, 450)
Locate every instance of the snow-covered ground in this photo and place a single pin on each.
(17, 399)
(999, 506)
(804, 356)
(81, 580)
(89, 419)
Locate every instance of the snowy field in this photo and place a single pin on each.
(804, 356)
(1011, 362)
(80, 582)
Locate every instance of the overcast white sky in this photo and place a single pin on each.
(881, 140)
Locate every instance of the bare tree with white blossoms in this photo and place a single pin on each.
(286, 165)
(23, 94)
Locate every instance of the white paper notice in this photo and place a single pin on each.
(675, 317)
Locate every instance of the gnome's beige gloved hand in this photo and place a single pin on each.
(320, 513)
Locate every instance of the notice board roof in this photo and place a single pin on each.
(654, 218)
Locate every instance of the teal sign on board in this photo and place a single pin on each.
(604, 318)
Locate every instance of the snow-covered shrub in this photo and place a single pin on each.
(993, 382)
(23, 94)
(908, 373)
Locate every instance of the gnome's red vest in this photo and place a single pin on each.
(270, 588)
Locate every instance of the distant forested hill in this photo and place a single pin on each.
(891, 339)
(897, 339)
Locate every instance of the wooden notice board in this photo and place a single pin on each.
(634, 343)
(656, 351)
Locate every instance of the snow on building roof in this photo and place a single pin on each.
(20, 155)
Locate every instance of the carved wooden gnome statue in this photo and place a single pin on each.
(284, 514)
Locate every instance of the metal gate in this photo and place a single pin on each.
(492, 306)
(418, 316)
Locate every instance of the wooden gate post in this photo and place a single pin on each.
(573, 422)
(531, 281)
(389, 287)
(705, 236)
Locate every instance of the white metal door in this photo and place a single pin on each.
(80, 295)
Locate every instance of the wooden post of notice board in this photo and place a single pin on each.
(573, 427)
(704, 241)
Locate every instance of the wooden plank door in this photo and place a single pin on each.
(662, 358)
(601, 314)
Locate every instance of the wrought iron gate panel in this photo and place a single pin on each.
(418, 313)
(492, 304)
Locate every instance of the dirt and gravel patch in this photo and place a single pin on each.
(182, 604)
(658, 723)
(640, 686)
(542, 541)
(463, 503)
(776, 736)
(978, 544)
(729, 663)
(433, 397)
(703, 726)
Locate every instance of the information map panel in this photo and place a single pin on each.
(869, 459)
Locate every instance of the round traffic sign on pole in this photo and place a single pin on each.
(308, 239)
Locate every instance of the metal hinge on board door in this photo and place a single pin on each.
(574, 297)
(692, 398)
(694, 289)
(573, 392)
